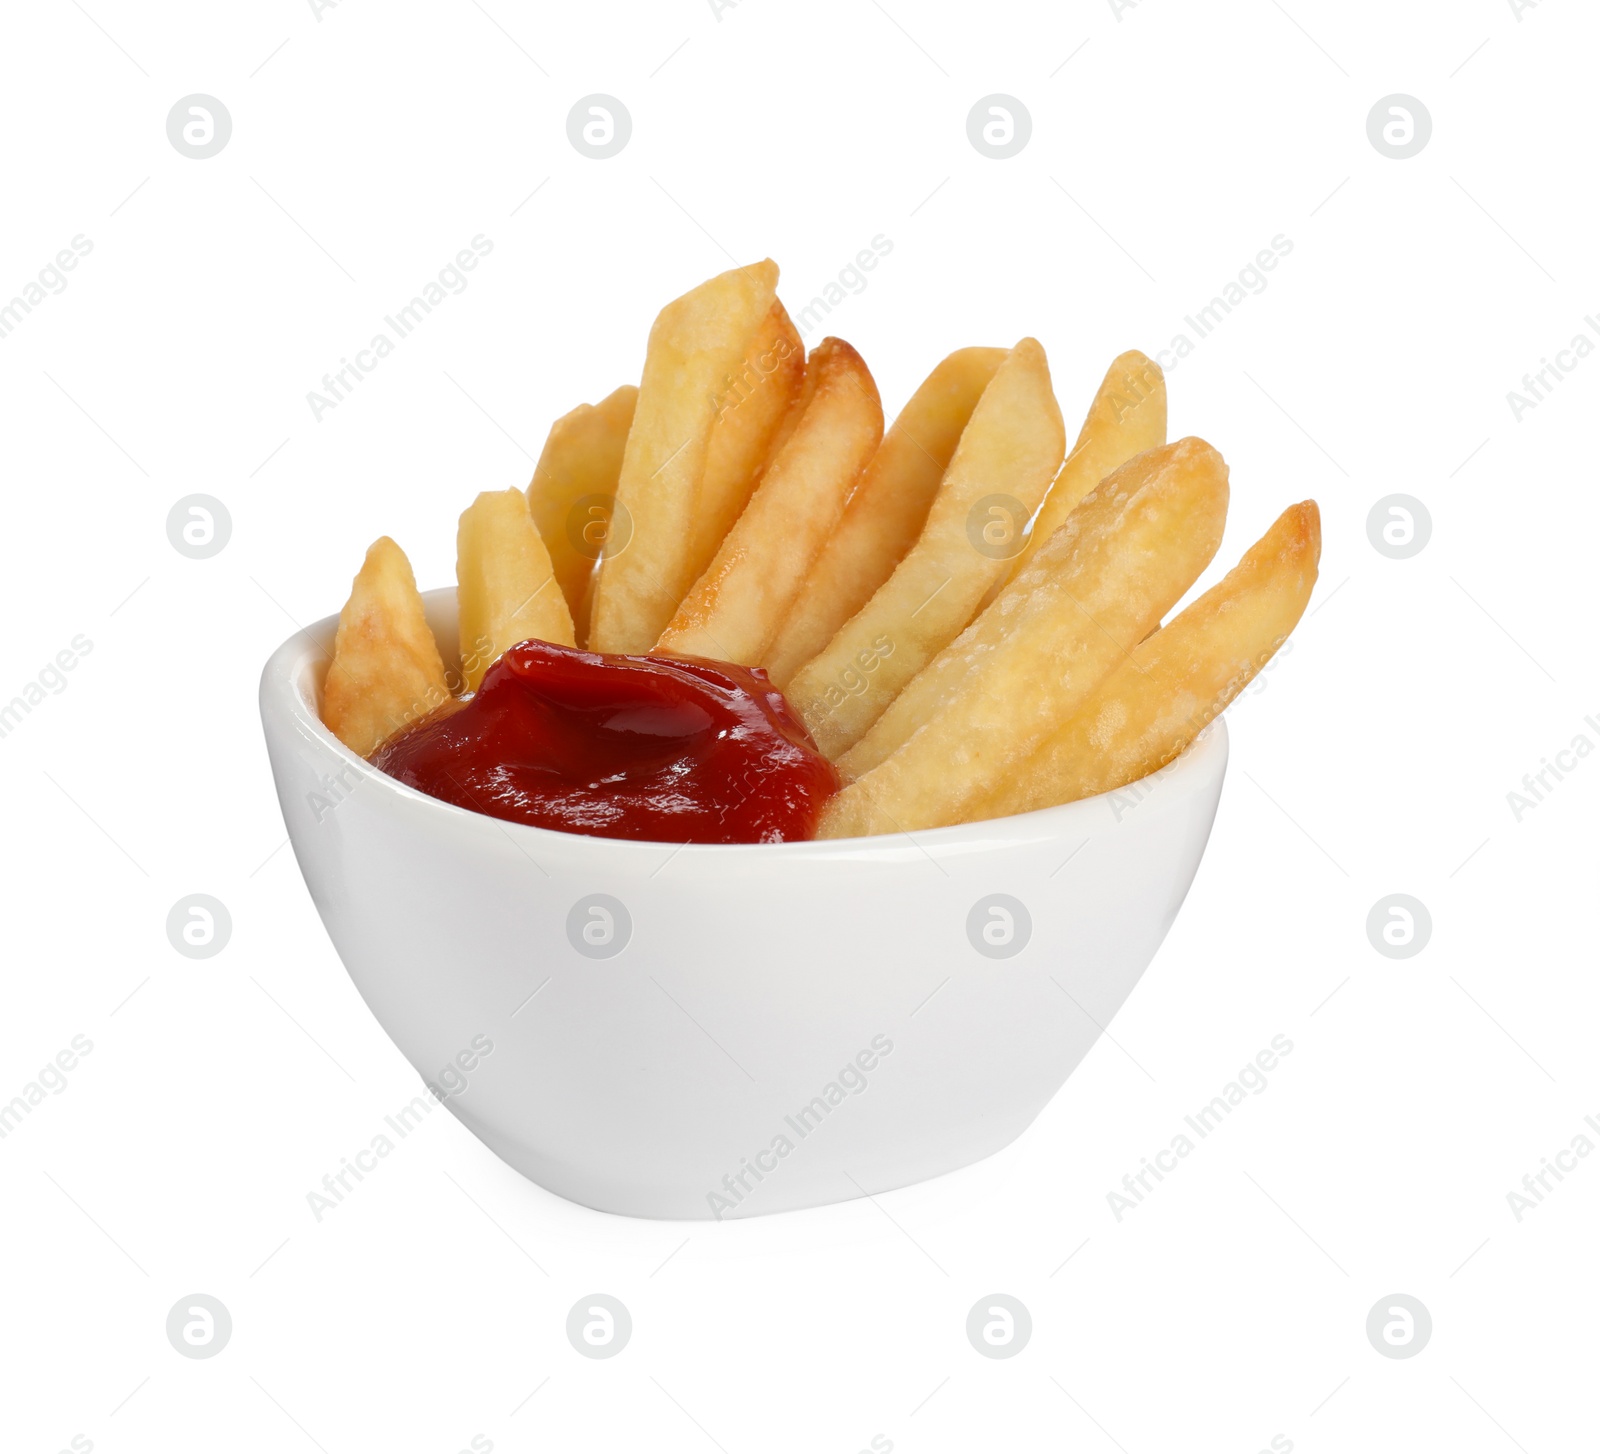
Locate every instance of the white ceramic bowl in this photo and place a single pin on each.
(756, 1028)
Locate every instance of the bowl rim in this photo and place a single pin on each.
(283, 698)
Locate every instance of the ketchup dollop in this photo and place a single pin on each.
(669, 749)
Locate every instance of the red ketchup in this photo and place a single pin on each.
(668, 749)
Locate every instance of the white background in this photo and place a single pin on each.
(1169, 145)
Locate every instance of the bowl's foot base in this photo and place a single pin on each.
(783, 1188)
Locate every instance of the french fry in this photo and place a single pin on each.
(1094, 590)
(753, 409)
(737, 605)
(506, 589)
(1154, 705)
(697, 341)
(386, 668)
(573, 491)
(1009, 450)
(1127, 416)
(1063, 598)
(887, 511)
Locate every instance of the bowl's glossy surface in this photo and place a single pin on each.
(718, 1031)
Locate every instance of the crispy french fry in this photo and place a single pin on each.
(386, 668)
(1127, 416)
(737, 605)
(1095, 589)
(1154, 705)
(697, 341)
(1077, 597)
(573, 492)
(506, 589)
(887, 511)
(1009, 450)
(751, 413)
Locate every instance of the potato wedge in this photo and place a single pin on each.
(751, 412)
(738, 604)
(573, 493)
(506, 588)
(887, 511)
(697, 341)
(386, 669)
(996, 478)
(1127, 416)
(1154, 705)
(1095, 589)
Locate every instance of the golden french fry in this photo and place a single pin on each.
(1127, 416)
(737, 605)
(752, 410)
(574, 489)
(1154, 705)
(887, 511)
(506, 589)
(798, 404)
(697, 341)
(386, 669)
(996, 478)
(1065, 605)
(1094, 590)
